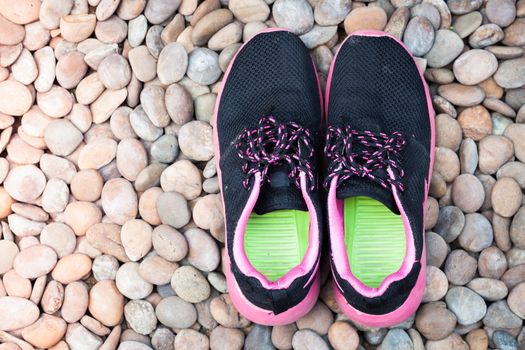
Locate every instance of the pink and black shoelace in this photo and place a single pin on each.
(273, 143)
(364, 154)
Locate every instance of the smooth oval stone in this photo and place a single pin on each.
(447, 46)
(419, 36)
(466, 24)
(16, 98)
(474, 66)
(22, 313)
(35, 261)
(511, 73)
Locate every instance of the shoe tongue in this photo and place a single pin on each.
(357, 186)
(279, 194)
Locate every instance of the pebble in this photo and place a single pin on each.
(467, 193)
(450, 223)
(475, 66)
(246, 10)
(114, 72)
(435, 321)
(460, 267)
(71, 268)
(303, 20)
(419, 36)
(105, 267)
(462, 95)
(499, 315)
(152, 100)
(446, 47)
(169, 243)
(62, 137)
(208, 25)
(46, 332)
(475, 122)
(172, 63)
(140, 316)
(203, 252)
(397, 339)
(136, 238)
(22, 313)
(78, 337)
(157, 270)
(56, 103)
(466, 24)
(130, 283)
(494, 151)
(459, 7)
(80, 216)
(477, 233)
(342, 336)
(173, 209)
(52, 297)
(503, 340)
(468, 306)
(11, 33)
(500, 12)
(179, 104)
(70, 69)
(183, 177)
(506, 196)
(195, 140)
(77, 27)
(436, 284)
(106, 303)
(188, 339)
(143, 126)
(437, 249)
(17, 98)
(492, 263)
(75, 302)
(157, 11)
(398, 21)
(468, 155)
(131, 158)
(203, 66)
(489, 289)
(486, 35)
(365, 18)
(175, 312)
(35, 261)
(330, 12)
(514, 132)
(119, 200)
(514, 33)
(143, 64)
(308, 339)
(318, 319)
(190, 284)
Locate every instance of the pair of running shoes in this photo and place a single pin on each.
(295, 166)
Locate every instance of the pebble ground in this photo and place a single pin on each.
(111, 225)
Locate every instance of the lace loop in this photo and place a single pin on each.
(378, 159)
(272, 143)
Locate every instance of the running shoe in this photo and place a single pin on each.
(379, 151)
(267, 133)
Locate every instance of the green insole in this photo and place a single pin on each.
(277, 241)
(374, 238)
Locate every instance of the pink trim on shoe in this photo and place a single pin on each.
(392, 318)
(310, 256)
(266, 317)
(339, 253)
